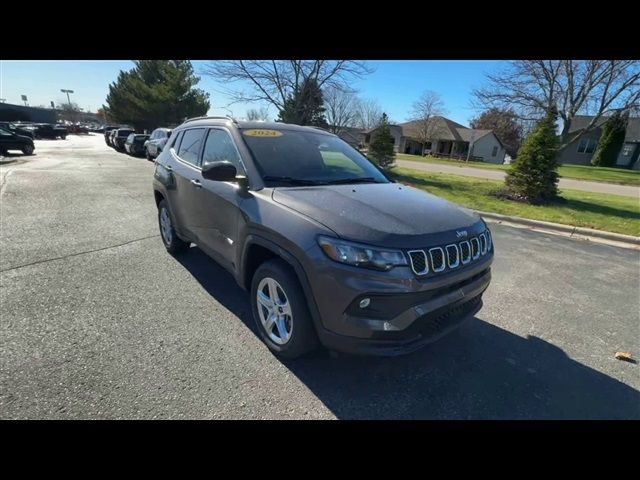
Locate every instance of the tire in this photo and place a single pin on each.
(170, 239)
(299, 337)
(146, 154)
(27, 150)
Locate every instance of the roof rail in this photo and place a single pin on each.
(206, 117)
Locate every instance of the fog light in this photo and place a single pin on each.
(364, 303)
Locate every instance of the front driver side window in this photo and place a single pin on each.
(190, 145)
(219, 147)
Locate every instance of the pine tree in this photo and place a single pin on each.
(156, 93)
(611, 140)
(533, 176)
(381, 147)
(305, 106)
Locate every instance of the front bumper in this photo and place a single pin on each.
(404, 312)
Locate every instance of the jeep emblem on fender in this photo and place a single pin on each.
(461, 233)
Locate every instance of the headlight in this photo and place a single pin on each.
(361, 255)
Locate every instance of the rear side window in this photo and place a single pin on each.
(190, 145)
(220, 147)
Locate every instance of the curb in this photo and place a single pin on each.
(568, 230)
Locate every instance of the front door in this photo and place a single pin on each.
(218, 203)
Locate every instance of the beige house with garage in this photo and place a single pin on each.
(446, 139)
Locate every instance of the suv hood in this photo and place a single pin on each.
(388, 214)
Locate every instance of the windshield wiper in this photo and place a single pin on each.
(291, 180)
(353, 180)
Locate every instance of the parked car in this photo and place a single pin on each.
(17, 129)
(77, 129)
(134, 145)
(13, 141)
(51, 131)
(108, 130)
(331, 249)
(119, 137)
(156, 142)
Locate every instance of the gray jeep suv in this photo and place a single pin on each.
(332, 251)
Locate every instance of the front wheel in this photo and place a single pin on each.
(27, 149)
(280, 310)
(170, 239)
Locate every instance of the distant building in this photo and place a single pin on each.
(448, 139)
(10, 113)
(580, 152)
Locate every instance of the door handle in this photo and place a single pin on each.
(196, 183)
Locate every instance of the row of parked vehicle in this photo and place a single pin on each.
(125, 139)
(36, 130)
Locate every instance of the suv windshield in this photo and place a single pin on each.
(293, 157)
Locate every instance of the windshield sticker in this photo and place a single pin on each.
(262, 133)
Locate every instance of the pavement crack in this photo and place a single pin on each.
(63, 257)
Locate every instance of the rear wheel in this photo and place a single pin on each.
(170, 239)
(280, 310)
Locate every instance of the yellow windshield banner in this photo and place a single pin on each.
(255, 132)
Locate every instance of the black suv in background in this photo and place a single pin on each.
(16, 129)
(156, 142)
(134, 145)
(12, 141)
(119, 136)
(331, 250)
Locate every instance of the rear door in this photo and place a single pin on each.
(188, 180)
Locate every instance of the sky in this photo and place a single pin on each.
(395, 84)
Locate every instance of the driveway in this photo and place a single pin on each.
(98, 321)
(597, 187)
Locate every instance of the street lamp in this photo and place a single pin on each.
(67, 92)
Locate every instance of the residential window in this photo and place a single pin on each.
(495, 151)
(587, 145)
(627, 150)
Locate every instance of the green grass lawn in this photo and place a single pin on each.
(611, 213)
(578, 172)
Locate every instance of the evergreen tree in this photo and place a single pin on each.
(611, 140)
(156, 93)
(305, 106)
(533, 176)
(381, 147)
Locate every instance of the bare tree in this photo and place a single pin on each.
(429, 105)
(276, 81)
(255, 114)
(340, 108)
(573, 87)
(368, 113)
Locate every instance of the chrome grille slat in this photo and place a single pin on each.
(451, 256)
(452, 248)
(437, 261)
(465, 252)
(483, 243)
(419, 263)
(475, 248)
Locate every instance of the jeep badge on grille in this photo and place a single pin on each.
(461, 233)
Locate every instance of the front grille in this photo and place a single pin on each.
(440, 259)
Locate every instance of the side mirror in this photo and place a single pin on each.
(220, 171)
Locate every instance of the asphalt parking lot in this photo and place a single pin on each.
(98, 321)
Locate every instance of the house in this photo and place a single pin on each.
(580, 151)
(447, 139)
(353, 136)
